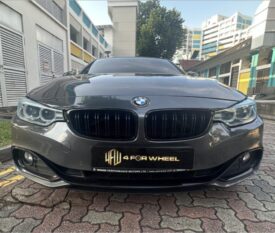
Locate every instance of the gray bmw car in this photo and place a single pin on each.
(136, 123)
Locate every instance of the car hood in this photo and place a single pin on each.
(68, 91)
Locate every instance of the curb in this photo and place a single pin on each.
(5, 118)
(5, 154)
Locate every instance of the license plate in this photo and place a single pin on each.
(138, 159)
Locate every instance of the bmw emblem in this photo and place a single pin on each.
(140, 101)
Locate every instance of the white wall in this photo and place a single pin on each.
(124, 16)
(32, 16)
(263, 28)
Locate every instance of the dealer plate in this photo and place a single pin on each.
(142, 159)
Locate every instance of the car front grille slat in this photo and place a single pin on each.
(176, 124)
(123, 124)
(104, 124)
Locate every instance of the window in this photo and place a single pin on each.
(212, 72)
(225, 80)
(265, 55)
(86, 44)
(94, 51)
(134, 65)
(74, 34)
(262, 80)
(10, 18)
(225, 68)
(246, 62)
(55, 8)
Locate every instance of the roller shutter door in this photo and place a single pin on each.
(12, 67)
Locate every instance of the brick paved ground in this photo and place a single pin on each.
(247, 207)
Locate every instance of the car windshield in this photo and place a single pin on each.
(149, 66)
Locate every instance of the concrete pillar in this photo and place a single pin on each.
(123, 14)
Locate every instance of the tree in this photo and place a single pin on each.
(159, 31)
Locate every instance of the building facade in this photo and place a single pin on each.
(40, 40)
(250, 65)
(220, 33)
(196, 44)
(191, 45)
(86, 43)
(33, 46)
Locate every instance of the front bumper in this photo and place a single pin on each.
(68, 157)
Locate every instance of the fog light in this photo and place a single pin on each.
(246, 157)
(28, 158)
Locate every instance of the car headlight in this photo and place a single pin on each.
(239, 114)
(36, 113)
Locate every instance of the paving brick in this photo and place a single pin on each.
(270, 180)
(221, 194)
(36, 186)
(181, 223)
(265, 186)
(100, 201)
(27, 211)
(26, 183)
(77, 197)
(269, 172)
(87, 194)
(56, 197)
(119, 197)
(197, 193)
(9, 198)
(212, 226)
(163, 230)
(197, 212)
(76, 213)
(183, 198)
(265, 215)
(258, 193)
(8, 208)
(26, 226)
(36, 198)
(95, 217)
(248, 206)
(251, 202)
(231, 222)
(143, 198)
(124, 207)
(24, 191)
(259, 226)
(107, 228)
(150, 216)
(241, 210)
(246, 182)
(67, 226)
(236, 188)
(52, 219)
(168, 206)
(210, 202)
(130, 223)
(6, 224)
(269, 205)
